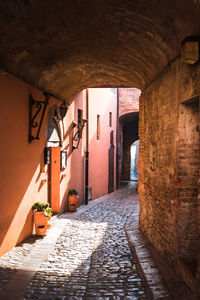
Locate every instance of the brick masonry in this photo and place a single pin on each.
(169, 167)
(128, 113)
(129, 100)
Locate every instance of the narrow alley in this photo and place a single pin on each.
(81, 84)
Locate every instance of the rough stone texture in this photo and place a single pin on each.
(169, 168)
(65, 46)
(147, 267)
(129, 116)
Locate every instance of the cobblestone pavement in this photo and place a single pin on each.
(91, 258)
(86, 255)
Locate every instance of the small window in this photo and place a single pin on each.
(110, 119)
(80, 117)
(98, 127)
(111, 137)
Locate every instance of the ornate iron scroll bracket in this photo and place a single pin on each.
(35, 107)
(77, 133)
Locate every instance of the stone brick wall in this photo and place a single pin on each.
(188, 175)
(129, 100)
(128, 109)
(169, 167)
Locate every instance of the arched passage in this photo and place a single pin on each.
(129, 123)
(134, 160)
(62, 47)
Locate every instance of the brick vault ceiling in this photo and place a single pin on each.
(64, 46)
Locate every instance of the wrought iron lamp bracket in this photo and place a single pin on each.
(35, 107)
(77, 133)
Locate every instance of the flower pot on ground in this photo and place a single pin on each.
(73, 200)
(42, 213)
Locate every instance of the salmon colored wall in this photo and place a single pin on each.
(54, 179)
(23, 178)
(73, 176)
(101, 102)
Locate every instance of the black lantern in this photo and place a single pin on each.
(77, 133)
(63, 109)
(190, 50)
(35, 106)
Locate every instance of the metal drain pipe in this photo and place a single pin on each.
(117, 142)
(87, 150)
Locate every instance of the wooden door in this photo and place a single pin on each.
(54, 179)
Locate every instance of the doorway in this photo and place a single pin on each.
(54, 146)
(134, 149)
(111, 154)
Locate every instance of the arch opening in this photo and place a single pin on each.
(134, 151)
(129, 123)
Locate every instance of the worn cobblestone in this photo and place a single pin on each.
(91, 258)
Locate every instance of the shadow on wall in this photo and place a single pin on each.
(21, 163)
(98, 149)
(23, 176)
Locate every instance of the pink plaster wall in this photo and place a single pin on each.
(74, 173)
(101, 102)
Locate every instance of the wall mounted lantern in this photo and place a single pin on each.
(35, 107)
(77, 133)
(190, 50)
(63, 109)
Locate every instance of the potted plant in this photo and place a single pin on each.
(73, 200)
(42, 213)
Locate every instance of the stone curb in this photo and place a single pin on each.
(147, 268)
(159, 278)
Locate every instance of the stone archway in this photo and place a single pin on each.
(129, 123)
(65, 46)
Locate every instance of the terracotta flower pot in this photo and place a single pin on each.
(41, 222)
(73, 202)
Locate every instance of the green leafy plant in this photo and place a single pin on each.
(39, 206)
(72, 192)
